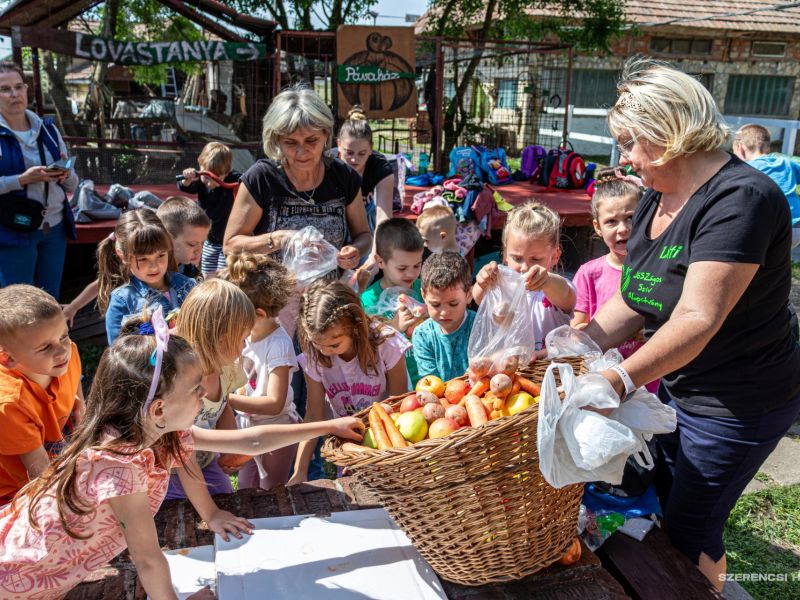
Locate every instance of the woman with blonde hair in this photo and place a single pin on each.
(297, 186)
(707, 275)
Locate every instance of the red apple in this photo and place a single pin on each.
(426, 397)
(442, 427)
(501, 385)
(431, 412)
(458, 414)
(432, 384)
(455, 390)
(409, 403)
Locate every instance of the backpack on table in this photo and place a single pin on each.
(563, 168)
(465, 161)
(495, 166)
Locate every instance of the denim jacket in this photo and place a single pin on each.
(130, 300)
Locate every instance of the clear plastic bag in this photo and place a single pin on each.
(501, 336)
(309, 255)
(391, 299)
(566, 341)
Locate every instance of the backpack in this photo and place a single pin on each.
(495, 166)
(531, 161)
(563, 169)
(464, 162)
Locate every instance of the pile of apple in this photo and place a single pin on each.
(437, 408)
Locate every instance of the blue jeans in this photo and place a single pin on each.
(41, 263)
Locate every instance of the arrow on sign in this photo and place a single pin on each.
(248, 52)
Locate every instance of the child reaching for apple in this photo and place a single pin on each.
(349, 359)
(440, 343)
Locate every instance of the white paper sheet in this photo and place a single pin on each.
(355, 555)
(191, 569)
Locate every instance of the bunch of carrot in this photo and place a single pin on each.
(384, 431)
(492, 394)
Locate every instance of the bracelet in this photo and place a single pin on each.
(630, 387)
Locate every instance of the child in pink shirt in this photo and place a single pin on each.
(350, 360)
(613, 204)
(99, 496)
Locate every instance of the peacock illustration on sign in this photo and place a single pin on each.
(378, 56)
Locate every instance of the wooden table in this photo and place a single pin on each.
(178, 526)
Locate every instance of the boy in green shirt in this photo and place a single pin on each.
(398, 247)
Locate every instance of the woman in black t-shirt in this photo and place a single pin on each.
(707, 275)
(296, 187)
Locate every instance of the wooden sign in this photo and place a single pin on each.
(376, 69)
(123, 52)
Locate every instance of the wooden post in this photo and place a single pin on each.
(436, 132)
(37, 82)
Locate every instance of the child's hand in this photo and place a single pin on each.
(487, 276)
(536, 278)
(69, 313)
(348, 257)
(204, 594)
(189, 175)
(346, 427)
(404, 318)
(223, 523)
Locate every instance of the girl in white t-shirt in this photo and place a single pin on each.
(349, 359)
(531, 246)
(268, 360)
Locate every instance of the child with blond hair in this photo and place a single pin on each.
(532, 247)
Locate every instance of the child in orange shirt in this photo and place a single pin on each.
(40, 394)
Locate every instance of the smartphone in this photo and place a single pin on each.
(65, 164)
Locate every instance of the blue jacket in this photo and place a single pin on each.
(13, 163)
(130, 300)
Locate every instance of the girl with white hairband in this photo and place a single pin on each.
(99, 497)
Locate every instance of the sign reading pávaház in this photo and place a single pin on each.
(368, 74)
(134, 53)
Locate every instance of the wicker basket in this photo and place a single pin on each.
(474, 504)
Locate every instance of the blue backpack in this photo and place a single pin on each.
(465, 161)
(495, 166)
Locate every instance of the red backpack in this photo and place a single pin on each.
(568, 170)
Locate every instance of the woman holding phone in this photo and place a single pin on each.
(35, 218)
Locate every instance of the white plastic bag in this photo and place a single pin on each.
(645, 415)
(309, 255)
(577, 445)
(566, 341)
(501, 336)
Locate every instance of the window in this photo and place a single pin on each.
(758, 95)
(593, 88)
(769, 49)
(707, 79)
(449, 89)
(660, 45)
(506, 93)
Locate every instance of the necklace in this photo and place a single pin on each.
(307, 196)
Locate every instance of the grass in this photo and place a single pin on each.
(762, 536)
(795, 270)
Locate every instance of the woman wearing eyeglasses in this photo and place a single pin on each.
(707, 275)
(35, 218)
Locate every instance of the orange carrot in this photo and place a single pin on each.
(498, 404)
(378, 430)
(480, 388)
(445, 403)
(395, 437)
(496, 414)
(534, 389)
(476, 412)
(514, 387)
(351, 447)
(487, 404)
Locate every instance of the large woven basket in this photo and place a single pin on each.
(474, 504)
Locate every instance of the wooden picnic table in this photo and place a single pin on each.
(179, 526)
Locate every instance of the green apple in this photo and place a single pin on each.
(519, 402)
(369, 441)
(412, 426)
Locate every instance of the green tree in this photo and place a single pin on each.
(302, 14)
(586, 24)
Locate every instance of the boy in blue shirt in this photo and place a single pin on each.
(440, 342)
